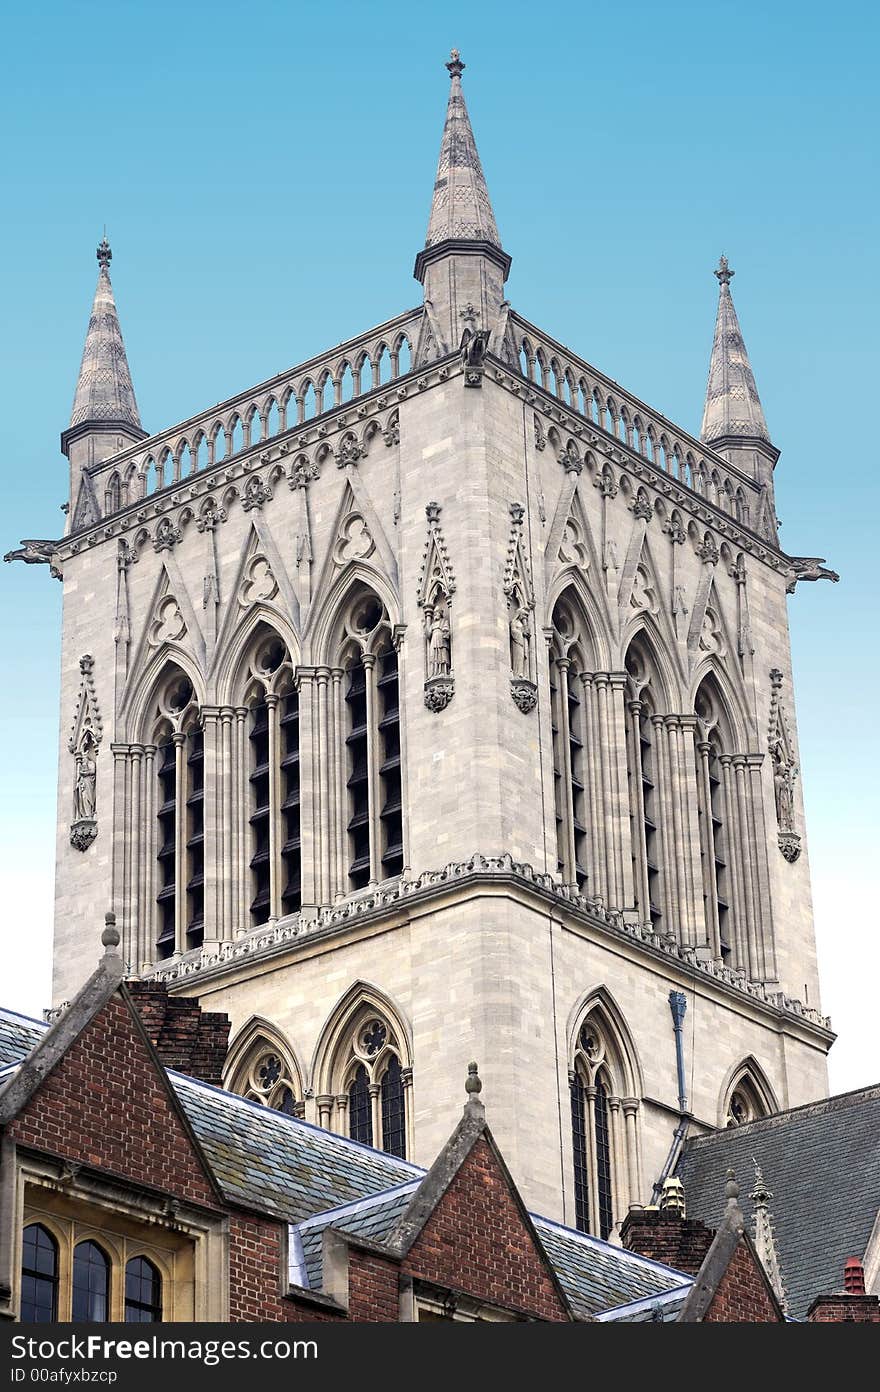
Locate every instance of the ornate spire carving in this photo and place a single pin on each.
(765, 1237)
(461, 226)
(733, 407)
(104, 398)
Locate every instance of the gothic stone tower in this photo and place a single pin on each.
(433, 700)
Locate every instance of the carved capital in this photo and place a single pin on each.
(439, 691)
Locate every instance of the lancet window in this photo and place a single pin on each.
(369, 1093)
(603, 1128)
(273, 781)
(374, 813)
(643, 769)
(714, 750)
(263, 1070)
(570, 680)
(180, 814)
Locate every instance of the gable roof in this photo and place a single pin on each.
(18, 1035)
(822, 1164)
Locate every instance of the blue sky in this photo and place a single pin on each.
(264, 172)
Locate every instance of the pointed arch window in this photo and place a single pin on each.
(569, 692)
(91, 1284)
(603, 1129)
(369, 1084)
(180, 814)
(275, 857)
(643, 777)
(39, 1276)
(714, 752)
(266, 1074)
(748, 1100)
(143, 1292)
(374, 820)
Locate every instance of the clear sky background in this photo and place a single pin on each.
(264, 171)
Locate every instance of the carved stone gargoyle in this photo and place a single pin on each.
(473, 349)
(807, 568)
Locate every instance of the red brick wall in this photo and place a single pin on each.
(187, 1038)
(678, 1242)
(255, 1275)
(373, 1288)
(104, 1105)
(742, 1295)
(476, 1241)
(835, 1309)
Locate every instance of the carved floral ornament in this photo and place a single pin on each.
(85, 737)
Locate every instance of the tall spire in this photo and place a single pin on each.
(104, 402)
(733, 410)
(462, 266)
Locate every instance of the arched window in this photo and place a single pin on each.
(180, 813)
(39, 1276)
(365, 1079)
(643, 776)
(714, 748)
(749, 1098)
(570, 678)
(143, 1292)
(91, 1284)
(602, 1127)
(262, 1069)
(374, 821)
(274, 816)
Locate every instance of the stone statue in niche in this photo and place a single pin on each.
(439, 638)
(520, 636)
(84, 797)
(783, 786)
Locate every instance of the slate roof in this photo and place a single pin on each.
(18, 1035)
(596, 1276)
(821, 1163)
(278, 1164)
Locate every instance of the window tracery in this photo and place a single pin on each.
(570, 677)
(263, 1071)
(643, 772)
(603, 1125)
(370, 1083)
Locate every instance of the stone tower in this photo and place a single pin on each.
(433, 700)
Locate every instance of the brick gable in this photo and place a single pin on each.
(105, 1104)
(477, 1241)
(742, 1295)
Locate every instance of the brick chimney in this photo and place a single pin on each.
(185, 1037)
(666, 1237)
(850, 1305)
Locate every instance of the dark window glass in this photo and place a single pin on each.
(39, 1276)
(91, 1284)
(167, 853)
(391, 810)
(393, 1127)
(291, 893)
(603, 1160)
(358, 777)
(579, 1141)
(195, 839)
(260, 812)
(143, 1292)
(360, 1108)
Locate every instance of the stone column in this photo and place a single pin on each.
(617, 1139)
(274, 805)
(605, 761)
(562, 667)
(132, 952)
(595, 825)
(148, 858)
(324, 1103)
(376, 1113)
(665, 835)
(241, 793)
(323, 871)
(340, 1120)
(340, 788)
(117, 869)
(127, 924)
(592, 1168)
(406, 1079)
(633, 1158)
(400, 649)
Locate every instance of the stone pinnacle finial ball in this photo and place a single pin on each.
(110, 935)
(473, 1086)
(731, 1188)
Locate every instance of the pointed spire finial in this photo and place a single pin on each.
(733, 410)
(724, 274)
(765, 1237)
(104, 254)
(473, 1087)
(455, 65)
